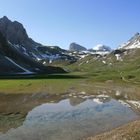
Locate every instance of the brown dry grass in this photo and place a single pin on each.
(130, 131)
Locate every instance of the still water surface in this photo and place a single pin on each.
(71, 118)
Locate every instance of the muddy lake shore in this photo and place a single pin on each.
(94, 107)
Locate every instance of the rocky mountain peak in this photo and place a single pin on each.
(132, 43)
(16, 34)
(137, 34)
(4, 19)
(13, 31)
(76, 47)
(135, 37)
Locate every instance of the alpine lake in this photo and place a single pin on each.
(70, 114)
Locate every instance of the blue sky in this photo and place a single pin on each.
(87, 22)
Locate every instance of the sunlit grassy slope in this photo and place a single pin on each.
(103, 69)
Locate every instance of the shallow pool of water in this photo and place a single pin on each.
(71, 119)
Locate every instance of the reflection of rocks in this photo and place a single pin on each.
(102, 99)
(11, 120)
(98, 101)
(135, 105)
(13, 108)
(62, 121)
(76, 101)
(24, 103)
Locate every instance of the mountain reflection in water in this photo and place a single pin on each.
(71, 118)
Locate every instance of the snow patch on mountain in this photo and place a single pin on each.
(133, 43)
(100, 49)
(26, 71)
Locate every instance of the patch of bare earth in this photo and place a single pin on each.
(130, 131)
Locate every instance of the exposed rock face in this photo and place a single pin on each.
(15, 33)
(132, 43)
(6, 66)
(18, 53)
(76, 47)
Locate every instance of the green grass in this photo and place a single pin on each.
(127, 71)
(81, 73)
(40, 83)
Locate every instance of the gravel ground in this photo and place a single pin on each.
(130, 131)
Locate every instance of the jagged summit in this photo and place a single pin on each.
(15, 33)
(19, 53)
(4, 18)
(132, 43)
(137, 34)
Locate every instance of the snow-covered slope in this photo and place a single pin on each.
(133, 43)
(100, 49)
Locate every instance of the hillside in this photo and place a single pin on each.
(21, 54)
(13, 59)
(119, 65)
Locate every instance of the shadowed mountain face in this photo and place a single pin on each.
(15, 33)
(6, 66)
(21, 54)
(17, 37)
(14, 57)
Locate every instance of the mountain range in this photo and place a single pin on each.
(132, 43)
(19, 54)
